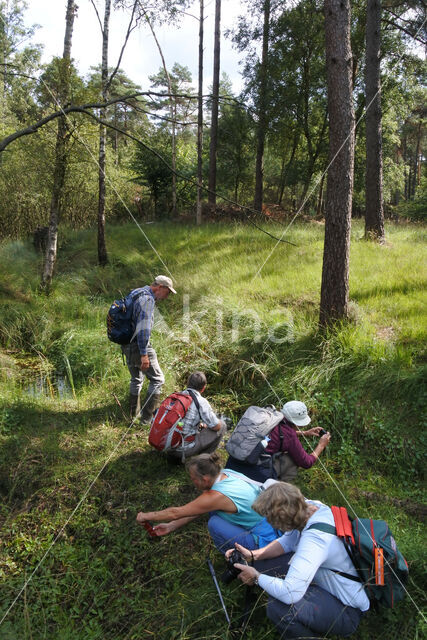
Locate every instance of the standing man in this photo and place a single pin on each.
(141, 358)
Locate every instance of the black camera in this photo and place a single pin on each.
(231, 572)
(322, 432)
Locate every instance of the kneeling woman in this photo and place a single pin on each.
(227, 496)
(308, 599)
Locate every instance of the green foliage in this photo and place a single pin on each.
(151, 170)
(416, 209)
(73, 475)
(235, 166)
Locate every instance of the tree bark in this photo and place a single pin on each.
(417, 163)
(334, 295)
(102, 249)
(374, 214)
(60, 152)
(320, 197)
(262, 117)
(200, 123)
(214, 115)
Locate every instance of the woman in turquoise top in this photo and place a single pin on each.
(227, 496)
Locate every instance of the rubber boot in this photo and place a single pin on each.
(150, 404)
(134, 406)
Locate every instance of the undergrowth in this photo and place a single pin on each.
(73, 564)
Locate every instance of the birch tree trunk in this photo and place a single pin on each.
(102, 249)
(215, 96)
(374, 214)
(334, 295)
(60, 152)
(200, 123)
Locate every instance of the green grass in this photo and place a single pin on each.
(255, 334)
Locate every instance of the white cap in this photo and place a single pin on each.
(296, 412)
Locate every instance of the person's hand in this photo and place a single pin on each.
(163, 528)
(141, 517)
(314, 431)
(246, 553)
(247, 574)
(324, 440)
(145, 363)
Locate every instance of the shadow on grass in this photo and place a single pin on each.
(404, 288)
(37, 441)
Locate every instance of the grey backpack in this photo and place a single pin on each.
(255, 424)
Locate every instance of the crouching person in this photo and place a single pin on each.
(227, 497)
(307, 597)
(202, 430)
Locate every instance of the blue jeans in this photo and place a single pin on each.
(225, 534)
(316, 615)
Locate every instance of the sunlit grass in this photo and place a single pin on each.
(236, 291)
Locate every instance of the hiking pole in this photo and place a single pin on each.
(212, 570)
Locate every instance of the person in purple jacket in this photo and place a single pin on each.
(285, 446)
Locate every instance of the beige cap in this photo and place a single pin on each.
(164, 281)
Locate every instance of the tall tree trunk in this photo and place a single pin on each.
(116, 139)
(102, 249)
(60, 152)
(3, 61)
(320, 198)
(262, 116)
(200, 122)
(374, 214)
(404, 158)
(419, 154)
(334, 295)
(214, 116)
(417, 161)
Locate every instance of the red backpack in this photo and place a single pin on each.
(166, 428)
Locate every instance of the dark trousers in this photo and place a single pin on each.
(253, 471)
(316, 615)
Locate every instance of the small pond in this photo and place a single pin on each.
(36, 377)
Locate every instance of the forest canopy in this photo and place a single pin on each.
(295, 115)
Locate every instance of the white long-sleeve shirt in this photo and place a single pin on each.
(315, 553)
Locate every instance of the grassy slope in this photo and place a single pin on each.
(255, 335)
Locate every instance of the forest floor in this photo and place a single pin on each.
(73, 475)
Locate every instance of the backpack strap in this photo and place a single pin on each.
(281, 438)
(328, 528)
(134, 295)
(196, 402)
